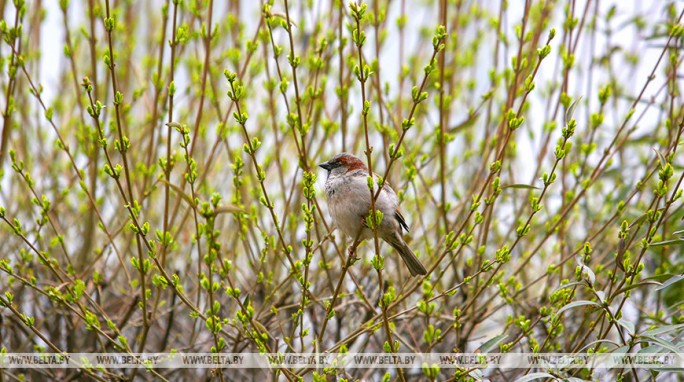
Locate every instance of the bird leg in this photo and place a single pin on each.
(351, 252)
(352, 255)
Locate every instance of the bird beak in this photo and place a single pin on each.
(325, 165)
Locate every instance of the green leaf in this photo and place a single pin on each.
(637, 285)
(571, 110)
(670, 281)
(590, 344)
(576, 304)
(568, 285)
(492, 343)
(666, 344)
(520, 186)
(180, 193)
(666, 243)
(533, 376)
(627, 325)
(662, 330)
(640, 219)
(660, 158)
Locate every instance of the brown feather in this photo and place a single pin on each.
(401, 220)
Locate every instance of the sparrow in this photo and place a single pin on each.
(349, 203)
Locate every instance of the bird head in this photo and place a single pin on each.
(343, 163)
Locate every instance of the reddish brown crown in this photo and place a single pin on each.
(351, 162)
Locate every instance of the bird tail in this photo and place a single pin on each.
(414, 265)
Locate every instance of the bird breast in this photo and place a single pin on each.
(349, 203)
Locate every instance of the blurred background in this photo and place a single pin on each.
(159, 187)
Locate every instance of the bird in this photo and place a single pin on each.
(349, 203)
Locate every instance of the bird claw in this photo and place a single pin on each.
(352, 256)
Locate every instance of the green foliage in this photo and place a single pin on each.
(155, 204)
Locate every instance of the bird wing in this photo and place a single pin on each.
(401, 220)
(394, 200)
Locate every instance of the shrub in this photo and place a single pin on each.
(160, 193)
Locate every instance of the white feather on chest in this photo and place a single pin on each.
(349, 202)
